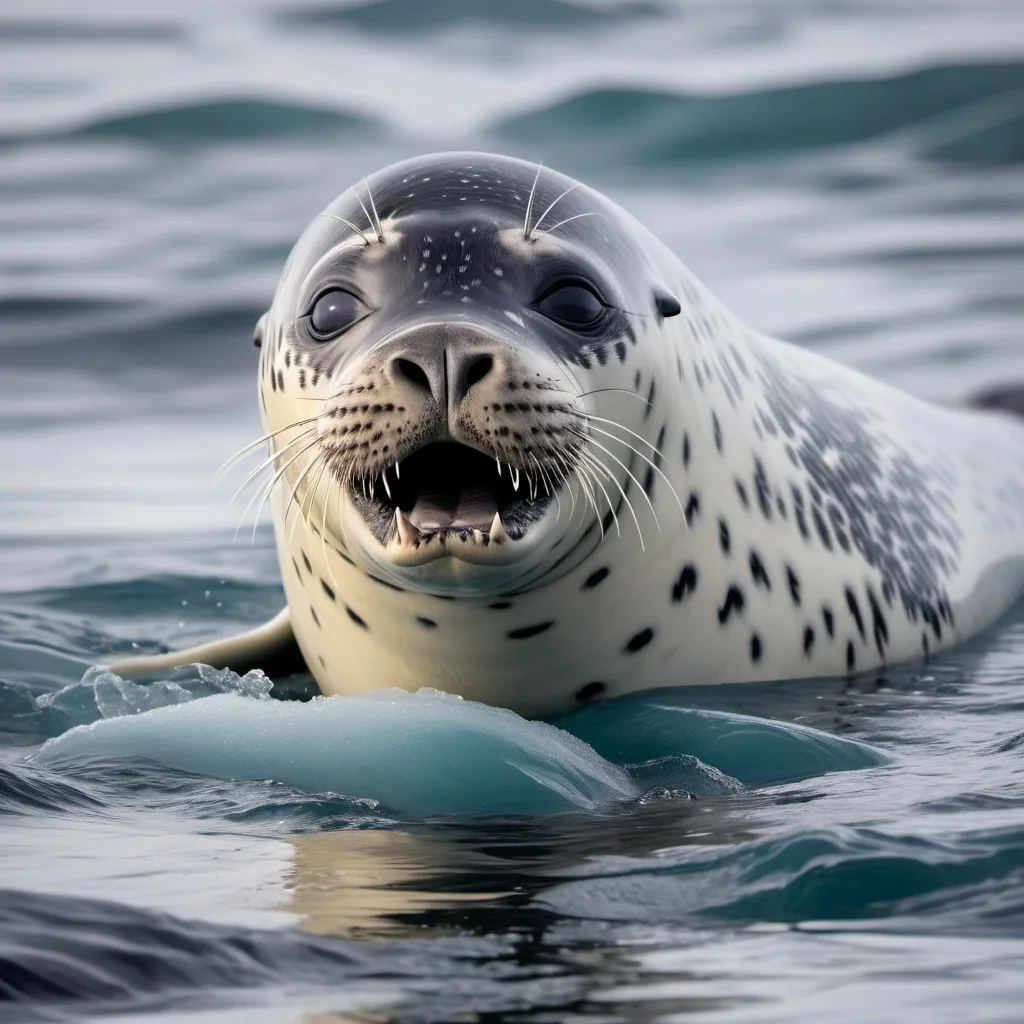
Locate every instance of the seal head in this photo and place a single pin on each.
(444, 343)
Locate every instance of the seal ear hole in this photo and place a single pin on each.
(257, 331)
(667, 305)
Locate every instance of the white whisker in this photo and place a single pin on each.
(348, 224)
(553, 205)
(262, 440)
(529, 202)
(375, 222)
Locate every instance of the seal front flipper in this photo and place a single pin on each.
(270, 647)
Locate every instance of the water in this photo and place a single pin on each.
(848, 176)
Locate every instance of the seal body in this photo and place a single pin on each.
(488, 483)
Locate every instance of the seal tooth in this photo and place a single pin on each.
(384, 477)
(408, 535)
(498, 461)
(398, 475)
(497, 534)
(515, 478)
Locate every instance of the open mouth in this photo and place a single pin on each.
(453, 496)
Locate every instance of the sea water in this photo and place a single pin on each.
(209, 847)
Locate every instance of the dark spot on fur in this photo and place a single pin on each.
(742, 492)
(755, 647)
(829, 619)
(758, 571)
(640, 640)
(734, 602)
(851, 603)
(525, 632)
(327, 589)
(808, 640)
(724, 541)
(794, 584)
(590, 691)
(692, 507)
(594, 578)
(356, 618)
(686, 584)
(425, 622)
(851, 657)
(879, 627)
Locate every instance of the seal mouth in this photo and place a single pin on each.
(449, 499)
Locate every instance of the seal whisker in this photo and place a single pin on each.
(554, 204)
(261, 440)
(640, 454)
(331, 481)
(593, 465)
(625, 497)
(306, 506)
(529, 202)
(375, 222)
(640, 487)
(269, 461)
(294, 491)
(366, 212)
(566, 483)
(348, 224)
(555, 227)
(615, 423)
(274, 482)
(603, 391)
(268, 488)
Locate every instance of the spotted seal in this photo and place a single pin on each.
(520, 453)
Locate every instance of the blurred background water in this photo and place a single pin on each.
(848, 174)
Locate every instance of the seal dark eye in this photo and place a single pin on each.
(572, 305)
(336, 311)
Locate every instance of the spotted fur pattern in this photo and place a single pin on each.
(804, 521)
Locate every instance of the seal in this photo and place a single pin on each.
(519, 453)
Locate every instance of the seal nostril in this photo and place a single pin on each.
(478, 369)
(413, 373)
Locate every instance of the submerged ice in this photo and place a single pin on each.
(417, 754)
(429, 753)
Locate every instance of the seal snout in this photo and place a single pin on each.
(463, 447)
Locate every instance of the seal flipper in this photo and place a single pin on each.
(270, 647)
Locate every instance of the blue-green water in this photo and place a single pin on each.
(846, 175)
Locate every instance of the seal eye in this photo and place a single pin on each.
(572, 305)
(335, 312)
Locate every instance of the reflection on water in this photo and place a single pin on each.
(354, 884)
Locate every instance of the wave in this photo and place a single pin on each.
(659, 127)
(420, 17)
(241, 119)
(61, 949)
(825, 874)
(103, 336)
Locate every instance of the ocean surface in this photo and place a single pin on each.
(847, 174)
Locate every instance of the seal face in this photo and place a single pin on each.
(519, 453)
(446, 339)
